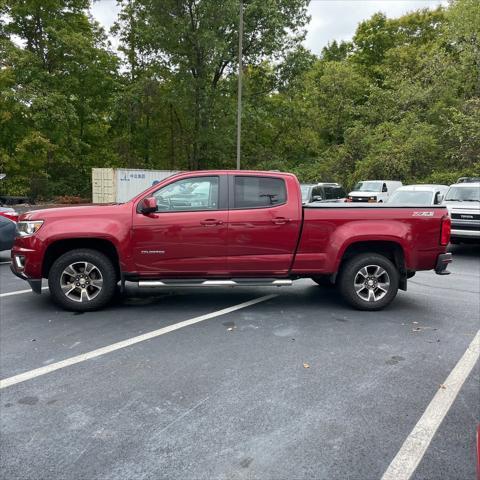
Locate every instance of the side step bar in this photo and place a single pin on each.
(240, 282)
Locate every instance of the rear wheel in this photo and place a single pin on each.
(369, 281)
(82, 280)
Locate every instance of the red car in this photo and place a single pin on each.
(219, 227)
(9, 213)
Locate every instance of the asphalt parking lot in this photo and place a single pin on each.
(295, 386)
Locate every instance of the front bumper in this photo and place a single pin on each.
(35, 283)
(459, 232)
(442, 263)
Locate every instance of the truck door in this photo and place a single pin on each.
(187, 235)
(264, 224)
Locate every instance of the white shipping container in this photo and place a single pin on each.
(119, 185)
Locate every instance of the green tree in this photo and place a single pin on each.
(195, 41)
(61, 76)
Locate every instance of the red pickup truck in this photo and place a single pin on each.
(214, 228)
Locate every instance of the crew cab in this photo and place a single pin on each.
(217, 228)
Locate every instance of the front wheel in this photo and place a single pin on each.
(369, 281)
(82, 280)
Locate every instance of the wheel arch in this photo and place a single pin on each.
(59, 247)
(388, 248)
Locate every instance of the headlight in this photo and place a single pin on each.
(24, 229)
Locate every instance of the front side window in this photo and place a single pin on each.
(189, 194)
(257, 192)
(318, 192)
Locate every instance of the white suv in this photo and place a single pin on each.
(463, 203)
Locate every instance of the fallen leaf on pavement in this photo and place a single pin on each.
(306, 365)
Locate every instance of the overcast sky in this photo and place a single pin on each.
(331, 19)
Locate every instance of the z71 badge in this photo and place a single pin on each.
(422, 214)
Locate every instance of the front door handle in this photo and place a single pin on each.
(280, 220)
(211, 222)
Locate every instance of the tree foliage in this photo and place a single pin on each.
(400, 100)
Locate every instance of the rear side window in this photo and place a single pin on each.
(332, 193)
(257, 192)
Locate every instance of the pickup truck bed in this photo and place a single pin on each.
(229, 228)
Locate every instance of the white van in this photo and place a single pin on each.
(373, 191)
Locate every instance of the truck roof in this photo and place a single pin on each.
(235, 172)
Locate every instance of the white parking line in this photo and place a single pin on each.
(18, 292)
(23, 377)
(411, 453)
(6, 263)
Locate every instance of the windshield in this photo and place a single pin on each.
(463, 194)
(411, 198)
(369, 186)
(305, 189)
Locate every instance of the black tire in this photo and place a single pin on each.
(323, 281)
(90, 297)
(351, 279)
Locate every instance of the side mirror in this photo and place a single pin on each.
(148, 205)
(317, 198)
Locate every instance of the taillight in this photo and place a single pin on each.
(446, 229)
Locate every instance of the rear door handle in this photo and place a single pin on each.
(211, 222)
(280, 220)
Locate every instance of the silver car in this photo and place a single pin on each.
(463, 203)
(418, 195)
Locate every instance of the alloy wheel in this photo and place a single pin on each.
(371, 283)
(81, 281)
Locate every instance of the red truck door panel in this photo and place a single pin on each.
(187, 235)
(264, 224)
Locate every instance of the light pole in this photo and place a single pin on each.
(239, 93)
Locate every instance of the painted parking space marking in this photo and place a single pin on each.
(18, 292)
(37, 372)
(5, 263)
(413, 449)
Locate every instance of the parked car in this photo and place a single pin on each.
(468, 179)
(463, 202)
(418, 195)
(9, 213)
(252, 230)
(373, 191)
(7, 233)
(322, 192)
